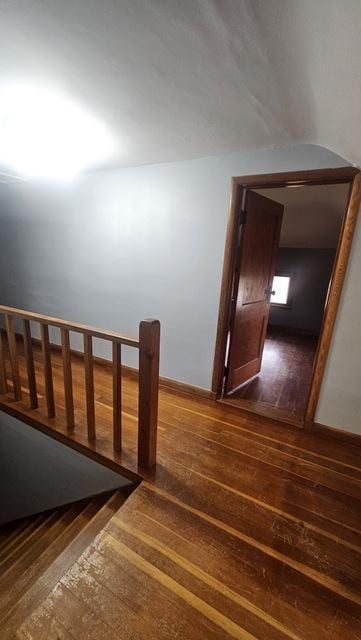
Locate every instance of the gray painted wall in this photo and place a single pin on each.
(311, 271)
(118, 246)
(38, 473)
(340, 399)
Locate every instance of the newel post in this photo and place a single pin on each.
(149, 342)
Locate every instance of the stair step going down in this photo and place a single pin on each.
(36, 551)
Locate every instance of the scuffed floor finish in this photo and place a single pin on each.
(247, 529)
(281, 388)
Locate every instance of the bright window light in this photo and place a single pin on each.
(44, 134)
(281, 286)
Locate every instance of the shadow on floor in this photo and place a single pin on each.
(284, 380)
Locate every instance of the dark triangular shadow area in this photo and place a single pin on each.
(38, 473)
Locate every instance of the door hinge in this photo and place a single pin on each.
(225, 372)
(243, 217)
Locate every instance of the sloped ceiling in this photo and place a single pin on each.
(182, 79)
(312, 215)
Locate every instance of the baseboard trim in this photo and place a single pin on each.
(184, 387)
(345, 437)
(132, 372)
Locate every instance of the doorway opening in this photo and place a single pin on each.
(288, 241)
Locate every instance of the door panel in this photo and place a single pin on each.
(255, 268)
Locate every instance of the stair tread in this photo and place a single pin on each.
(43, 548)
(63, 554)
(19, 558)
(38, 543)
(11, 530)
(16, 542)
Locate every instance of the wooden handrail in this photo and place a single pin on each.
(148, 345)
(71, 326)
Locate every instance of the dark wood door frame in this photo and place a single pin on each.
(350, 175)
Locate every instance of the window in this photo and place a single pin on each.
(281, 287)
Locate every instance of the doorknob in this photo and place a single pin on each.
(268, 293)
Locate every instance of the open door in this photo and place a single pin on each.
(261, 220)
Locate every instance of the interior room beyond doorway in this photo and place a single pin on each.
(308, 240)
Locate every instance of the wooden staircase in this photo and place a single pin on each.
(35, 552)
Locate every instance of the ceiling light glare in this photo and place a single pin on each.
(44, 134)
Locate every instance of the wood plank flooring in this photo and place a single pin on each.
(281, 389)
(247, 529)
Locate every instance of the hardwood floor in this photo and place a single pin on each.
(246, 529)
(281, 389)
(36, 551)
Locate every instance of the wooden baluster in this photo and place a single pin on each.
(149, 341)
(48, 374)
(3, 378)
(117, 397)
(9, 321)
(89, 385)
(29, 359)
(68, 380)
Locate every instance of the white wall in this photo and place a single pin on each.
(340, 400)
(118, 246)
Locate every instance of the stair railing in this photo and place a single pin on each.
(148, 344)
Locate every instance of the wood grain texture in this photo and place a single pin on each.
(239, 184)
(339, 435)
(29, 359)
(89, 386)
(71, 326)
(298, 178)
(148, 375)
(3, 376)
(36, 552)
(164, 382)
(48, 373)
(67, 375)
(334, 296)
(281, 389)
(246, 528)
(117, 397)
(224, 311)
(14, 366)
(149, 340)
(255, 269)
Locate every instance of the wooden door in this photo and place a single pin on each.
(261, 220)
